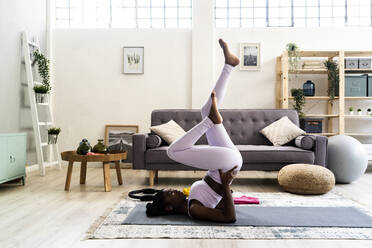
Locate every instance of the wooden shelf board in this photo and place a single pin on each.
(314, 97)
(318, 53)
(324, 134)
(358, 116)
(321, 115)
(358, 70)
(358, 97)
(358, 53)
(359, 134)
(308, 71)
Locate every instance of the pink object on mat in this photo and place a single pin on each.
(246, 200)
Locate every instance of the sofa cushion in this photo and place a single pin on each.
(258, 154)
(275, 154)
(281, 131)
(169, 131)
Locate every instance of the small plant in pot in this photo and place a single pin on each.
(41, 93)
(351, 111)
(359, 112)
(53, 135)
(369, 111)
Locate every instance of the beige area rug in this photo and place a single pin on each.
(109, 225)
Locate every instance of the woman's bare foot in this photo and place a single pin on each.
(214, 115)
(230, 58)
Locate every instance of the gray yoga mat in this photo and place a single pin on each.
(265, 216)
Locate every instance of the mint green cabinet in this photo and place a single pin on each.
(12, 156)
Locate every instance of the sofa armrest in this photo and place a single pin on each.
(139, 148)
(320, 150)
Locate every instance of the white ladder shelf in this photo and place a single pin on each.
(52, 149)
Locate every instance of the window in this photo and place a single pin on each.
(292, 13)
(123, 13)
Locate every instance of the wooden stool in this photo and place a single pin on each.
(72, 156)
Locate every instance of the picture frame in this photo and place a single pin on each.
(118, 137)
(250, 56)
(133, 60)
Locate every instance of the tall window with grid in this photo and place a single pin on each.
(123, 13)
(292, 13)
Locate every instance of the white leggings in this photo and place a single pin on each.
(220, 153)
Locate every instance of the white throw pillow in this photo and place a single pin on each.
(281, 131)
(169, 131)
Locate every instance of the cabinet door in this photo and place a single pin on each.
(17, 155)
(4, 161)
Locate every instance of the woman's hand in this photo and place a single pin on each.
(228, 176)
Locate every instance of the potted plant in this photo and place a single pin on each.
(359, 112)
(369, 111)
(41, 93)
(293, 56)
(53, 133)
(351, 111)
(299, 101)
(333, 79)
(43, 69)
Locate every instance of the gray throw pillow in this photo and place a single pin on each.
(306, 142)
(153, 141)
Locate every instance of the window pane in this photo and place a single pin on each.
(143, 3)
(143, 12)
(234, 23)
(259, 12)
(157, 3)
(301, 3)
(63, 23)
(260, 22)
(144, 23)
(246, 23)
(221, 13)
(312, 22)
(312, 12)
(158, 23)
(274, 13)
(234, 3)
(62, 13)
(171, 23)
(247, 3)
(184, 23)
(285, 12)
(185, 3)
(300, 22)
(339, 11)
(247, 12)
(326, 12)
(157, 13)
(325, 22)
(220, 3)
(62, 3)
(171, 13)
(234, 13)
(285, 22)
(299, 12)
(184, 12)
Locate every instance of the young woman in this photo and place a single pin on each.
(210, 198)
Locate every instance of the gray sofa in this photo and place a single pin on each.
(243, 126)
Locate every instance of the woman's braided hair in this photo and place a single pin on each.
(157, 206)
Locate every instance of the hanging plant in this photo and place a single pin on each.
(333, 78)
(293, 56)
(43, 68)
(299, 101)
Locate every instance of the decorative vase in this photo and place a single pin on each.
(100, 147)
(309, 88)
(41, 98)
(52, 138)
(351, 112)
(84, 147)
(359, 112)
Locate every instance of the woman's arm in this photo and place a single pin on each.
(227, 214)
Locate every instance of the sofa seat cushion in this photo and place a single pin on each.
(250, 153)
(158, 155)
(275, 154)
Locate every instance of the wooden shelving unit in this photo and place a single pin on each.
(282, 90)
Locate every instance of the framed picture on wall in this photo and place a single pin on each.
(133, 60)
(119, 138)
(250, 57)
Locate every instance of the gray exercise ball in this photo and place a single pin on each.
(347, 158)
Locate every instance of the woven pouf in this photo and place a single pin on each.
(306, 179)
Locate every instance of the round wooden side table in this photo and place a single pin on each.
(72, 156)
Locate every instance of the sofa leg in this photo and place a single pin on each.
(152, 177)
(156, 176)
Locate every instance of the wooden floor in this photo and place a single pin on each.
(42, 214)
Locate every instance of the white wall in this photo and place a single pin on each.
(91, 90)
(16, 16)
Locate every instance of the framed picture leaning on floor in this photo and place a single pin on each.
(250, 56)
(119, 138)
(133, 60)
